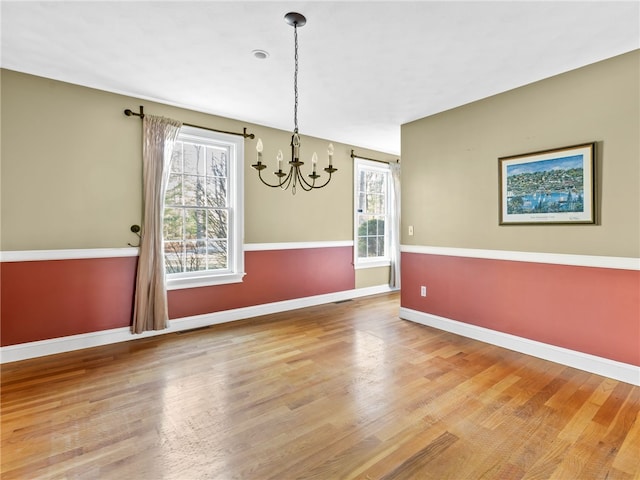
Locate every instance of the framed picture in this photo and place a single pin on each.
(552, 186)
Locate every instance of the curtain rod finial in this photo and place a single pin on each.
(129, 113)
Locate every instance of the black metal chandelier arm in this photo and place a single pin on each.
(287, 179)
(306, 186)
(325, 183)
(312, 185)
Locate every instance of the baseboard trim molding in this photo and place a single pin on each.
(24, 351)
(623, 372)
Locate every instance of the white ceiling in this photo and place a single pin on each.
(365, 67)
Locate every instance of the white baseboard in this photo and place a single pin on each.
(623, 372)
(23, 351)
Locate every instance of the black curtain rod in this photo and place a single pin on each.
(353, 155)
(129, 113)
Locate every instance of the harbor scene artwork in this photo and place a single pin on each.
(546, 186)
(554, 186)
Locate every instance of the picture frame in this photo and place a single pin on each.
(548, 187)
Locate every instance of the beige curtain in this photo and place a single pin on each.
(150, 303)
(394, 232)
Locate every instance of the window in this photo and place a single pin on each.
(372, 221)
(203, 214)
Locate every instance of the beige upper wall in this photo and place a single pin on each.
(450, 163)
(71, 171)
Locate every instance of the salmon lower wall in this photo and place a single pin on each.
(272, 276)
(586, 309)
(56, 298)
(48, 299)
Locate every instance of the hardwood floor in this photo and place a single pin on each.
(337, 391)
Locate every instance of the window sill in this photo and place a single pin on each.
(373, 264)
(203, 281)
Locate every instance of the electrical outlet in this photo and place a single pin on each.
(423, 291)
(410, 229)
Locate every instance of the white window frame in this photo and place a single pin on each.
(235, 251)
(359, 165)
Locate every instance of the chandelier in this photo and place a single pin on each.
(294, 177)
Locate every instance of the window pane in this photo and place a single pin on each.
(375, 203)
(176, 158)
(216, 192)
(362, 225)
(372, 227)
(372, 246)
(173, 257)
(193, 189)
(380, 252)
(375, 182)
(383, 204)
(195, 226)
(362, 247)
(217, 224)
(217, 162)
(173, 223)
(193, 158)
(362, 181)
(195, 256)
(217, 255)
(173, 195)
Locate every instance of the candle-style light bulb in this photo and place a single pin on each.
(314, 161)
(295, 141)
(330, 152)
(279, 157)
(259, 149)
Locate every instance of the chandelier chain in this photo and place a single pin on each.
(295, 79)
